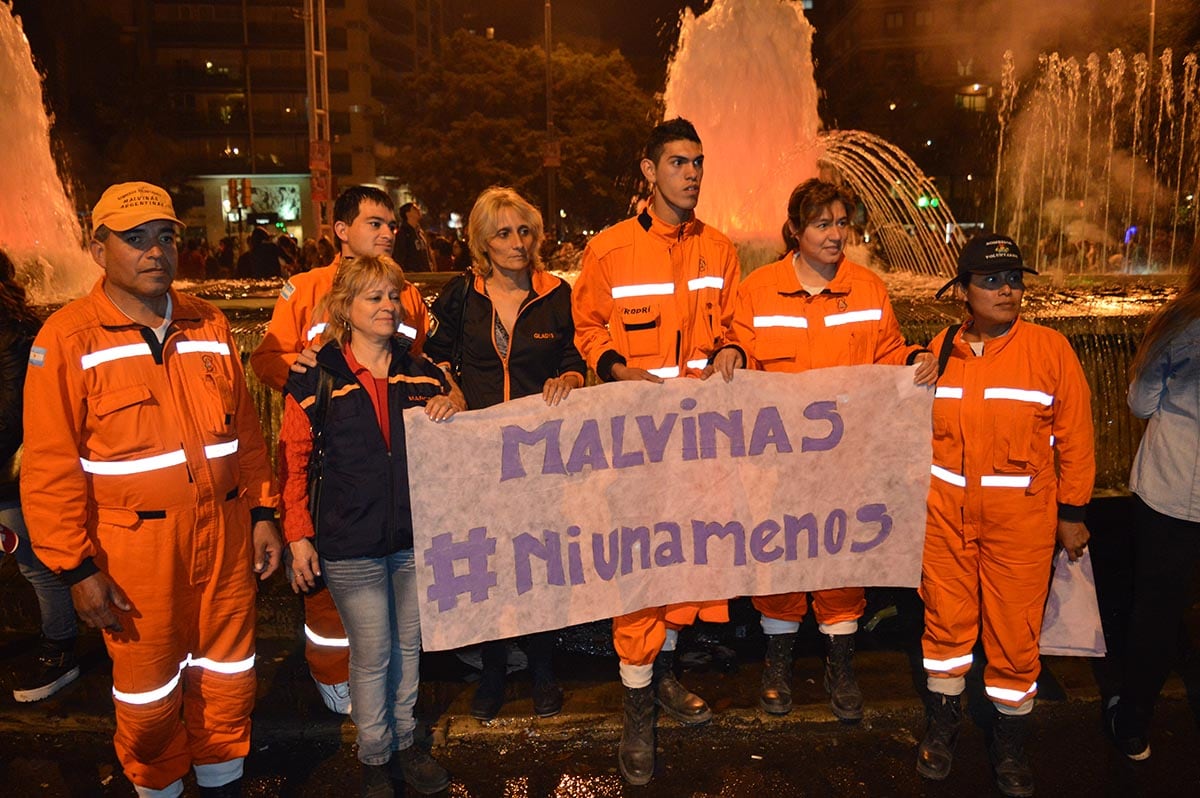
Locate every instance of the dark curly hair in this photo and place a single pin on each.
(12, 298)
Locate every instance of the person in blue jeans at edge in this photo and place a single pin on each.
(347, 413)
(55, 665)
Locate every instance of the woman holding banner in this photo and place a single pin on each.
(1164, 388)
(814, 309)
(1012, 400)
(505, 329)
(346, 508)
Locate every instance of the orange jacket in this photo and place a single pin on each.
(119, 427)
(294, 325)
(781, 327)
(655, 296)
(1001, 419)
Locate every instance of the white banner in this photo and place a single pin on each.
(631, 495)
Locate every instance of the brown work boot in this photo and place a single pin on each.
(845, 698)
(776, 695)
(635, 757)
(936, 753)
(679, 702)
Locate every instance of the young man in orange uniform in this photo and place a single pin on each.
(365, 224)
(816, 309)
(653, 301)
(146, 486)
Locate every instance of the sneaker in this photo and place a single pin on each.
(54, 668)
(1136, 748)
(419, 770)
(335, 696)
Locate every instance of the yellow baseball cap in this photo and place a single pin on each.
(124, 206)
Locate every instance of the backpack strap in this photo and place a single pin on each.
(947, 348)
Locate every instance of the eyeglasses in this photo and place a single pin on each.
(1014, 279)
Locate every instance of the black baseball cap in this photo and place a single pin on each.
(987, 254)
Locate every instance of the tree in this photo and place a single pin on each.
(475, 117)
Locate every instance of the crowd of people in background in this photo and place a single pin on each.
(146, 493)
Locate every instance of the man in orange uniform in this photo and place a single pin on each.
(815, 309)
(653, 300)
(146, 486)
(1013, 466)
(365, 224)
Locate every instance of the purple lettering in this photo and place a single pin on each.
(823, 411)
(769, 431)
(731, 428)
(548, 550)
(669, 552)
(792, 527)
(655, 438)
(621, 458)
(761, 537)
(702, 531)
(587, 451)
(835, 531)
(634, 538)
(606, 567)
(514, 438)
(873, 514)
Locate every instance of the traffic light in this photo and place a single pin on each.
(247, 199)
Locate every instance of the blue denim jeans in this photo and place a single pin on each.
(377, 599)
(53, 595)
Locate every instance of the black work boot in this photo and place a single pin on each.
(680, 703)
(844, 696)
(376, 782)
(547, 695)
(635, 757)
(416, 768)
(1014, 777)
(776, 695)
(936, 752)
(489, 695)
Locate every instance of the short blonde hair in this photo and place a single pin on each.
(353, 277)
(485, 221)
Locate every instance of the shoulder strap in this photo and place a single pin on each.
(947, 348)
(320, 411)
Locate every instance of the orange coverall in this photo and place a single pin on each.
(144, 461)
(780, 327)
(658, 297)
(293, 328)
(1000, 421)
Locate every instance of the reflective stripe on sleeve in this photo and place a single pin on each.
(874, 314)
(216, 347)
(947, 665)
(797, 322)
(946, 392)
(645, 289)
(115, 353)
(138, 466)
(1004, 694)
(1019, 395)
(333, 642)
(698, 364)
(666, 372)
(948, 476)
(405, 330)
(316, 330)
(215, 450)
(1004, 481)
(697, 283)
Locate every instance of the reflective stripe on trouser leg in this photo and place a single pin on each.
(1016, 546)
(219, 774)
(328, 664)
(949, 588)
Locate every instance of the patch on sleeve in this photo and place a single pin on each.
(287, 290)
(37, 356)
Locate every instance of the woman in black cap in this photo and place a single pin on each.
(1011, 400)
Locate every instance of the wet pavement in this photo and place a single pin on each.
(62, 746)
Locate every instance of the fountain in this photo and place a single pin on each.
(38, 225)
(743, 72)
(1100, 166)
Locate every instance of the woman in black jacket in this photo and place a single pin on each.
(55, 665)
(505, 328)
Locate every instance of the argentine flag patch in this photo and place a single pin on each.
(288, 290)
(37, 356)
